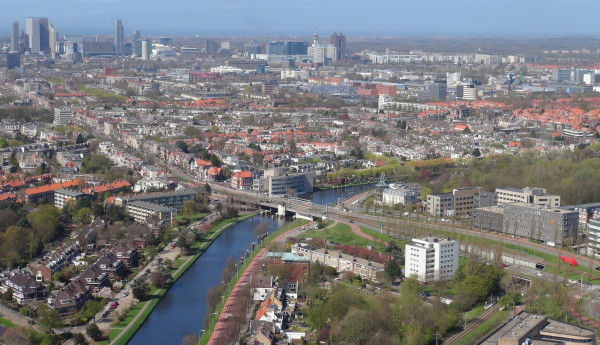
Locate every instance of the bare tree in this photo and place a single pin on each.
(261, 229)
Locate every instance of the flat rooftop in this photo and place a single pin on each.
(535, 326)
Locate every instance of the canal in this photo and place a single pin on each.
(181, 310)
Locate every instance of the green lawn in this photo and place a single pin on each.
(484, 328)
(194, 217)
(340, 233)
(6, 323)
(383, 237)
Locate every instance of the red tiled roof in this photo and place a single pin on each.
(54, 186)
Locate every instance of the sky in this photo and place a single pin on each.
(291, 18)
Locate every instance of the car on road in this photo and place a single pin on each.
(147, 271)
(125, 294)
(426, 294)
(351, 221)
(114, 305)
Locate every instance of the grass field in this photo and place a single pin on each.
(340, 233)
(6, 323)
(194, 217)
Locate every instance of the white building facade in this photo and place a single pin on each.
(431, 259)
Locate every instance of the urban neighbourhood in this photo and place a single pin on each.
(393, 192)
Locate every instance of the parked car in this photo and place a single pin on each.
(426, 294)
(114, 305)
(125, 294)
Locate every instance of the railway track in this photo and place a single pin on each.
(472, 325)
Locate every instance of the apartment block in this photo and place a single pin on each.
(64, 195)
(366, 269)
(141, 210)
(431, 258)
(594, 237)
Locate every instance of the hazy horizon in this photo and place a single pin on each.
(278, 18)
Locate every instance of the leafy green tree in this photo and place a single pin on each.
(140, 288)
(115, 213)
(94, 332)
(79, 139)
(393, 270)
(476, 152)
(393, 250)
(84, 216)
(48, 318)
(80, 339)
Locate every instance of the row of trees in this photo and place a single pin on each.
(25, 230)
(560, 172)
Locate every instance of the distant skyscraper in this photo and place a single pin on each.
(166, 41)
(339, 41)
(146, 49)
(14, 36)
(210, 46)
(44, 35)
(52, 39)
(39, 31)
(13, 60)
(119, 33)
(136, 35)
(32, 28)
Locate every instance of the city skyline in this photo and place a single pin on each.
(431, 17)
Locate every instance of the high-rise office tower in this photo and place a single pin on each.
(135, 35)
(146, 49)
(119, 29)
(45, 35)
(166, 41)
(52, 39)
(339, 41)
(32, 28)
(14, 36)
(39, 31)
(210, 46)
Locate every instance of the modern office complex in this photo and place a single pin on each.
(280, 183)
(431, 258)
(550, 225)
(460, 202)
(528, 195)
